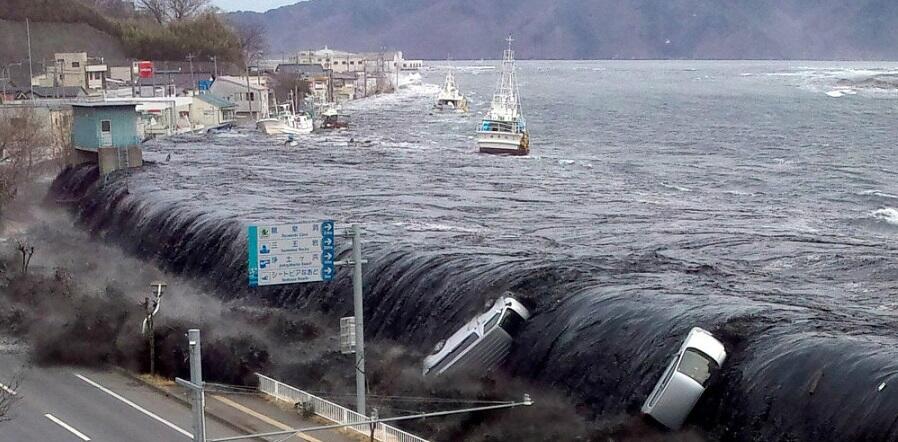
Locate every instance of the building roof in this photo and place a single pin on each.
(62, 91)
(304, 69)
(388, 55)
(240, 81)
(215, 100)
(50, 92)
(105, 104)
(344, 76)
(181, 80)
(327, 52)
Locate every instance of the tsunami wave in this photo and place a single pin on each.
(799, 369)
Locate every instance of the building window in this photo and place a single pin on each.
(352, 62)
(252, 96)
(106, 126)
(76, 64)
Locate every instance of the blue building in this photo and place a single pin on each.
(106, 133)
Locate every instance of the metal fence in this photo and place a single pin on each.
(332, 411)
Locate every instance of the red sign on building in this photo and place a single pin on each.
(145, 69)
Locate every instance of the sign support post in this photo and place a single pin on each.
(195, 384)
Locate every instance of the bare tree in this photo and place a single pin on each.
(23, 144)
(251, 36)
(184, 9)
(158, 9)
(26, 249)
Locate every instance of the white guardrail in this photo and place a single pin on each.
(332, 411)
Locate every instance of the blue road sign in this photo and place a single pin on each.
(291, 253)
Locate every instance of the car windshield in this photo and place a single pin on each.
(511, 322)
(697, 366)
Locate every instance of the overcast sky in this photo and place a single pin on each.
(251, 5)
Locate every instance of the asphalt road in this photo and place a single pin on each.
(73, 404)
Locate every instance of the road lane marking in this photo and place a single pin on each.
(66, 426)
(7, 389)
(262, 417)
(136, 407)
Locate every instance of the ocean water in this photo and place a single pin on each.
(758, 200)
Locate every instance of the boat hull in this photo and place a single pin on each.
(270, 127)
(502, 143)
(277, 127)
(451, 105)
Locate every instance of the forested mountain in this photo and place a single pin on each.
(624, 29)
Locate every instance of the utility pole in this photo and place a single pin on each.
(30, 67)
(192, 78)
(215, 61)
(196, 385)
(148, 327)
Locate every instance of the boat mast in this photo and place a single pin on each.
(506, 94)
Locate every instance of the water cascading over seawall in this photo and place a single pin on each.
(603, 330)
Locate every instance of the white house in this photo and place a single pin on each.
(250, 95)
(209, 111)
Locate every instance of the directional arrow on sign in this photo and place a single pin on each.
(328, 256)
(327, 241)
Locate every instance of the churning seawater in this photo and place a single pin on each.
(758, 200)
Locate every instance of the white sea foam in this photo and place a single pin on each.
(435, 227)
(879, 193)
(887, 214)
(677, 188)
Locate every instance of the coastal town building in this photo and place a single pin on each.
(375, 72)
(337, 61)
(106, 133)
(250, 94)
(74, 69)
(317, 77)
(209, 111)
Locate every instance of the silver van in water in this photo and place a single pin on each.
(685, 379)
(482, 343)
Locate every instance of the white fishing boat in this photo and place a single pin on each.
(503, 130)
(285, 121)
(450, 98)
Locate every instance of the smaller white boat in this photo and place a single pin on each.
(333, 118)
(285, 121)
(450, 98)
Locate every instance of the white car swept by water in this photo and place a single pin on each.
(685, 379)
(482, 343)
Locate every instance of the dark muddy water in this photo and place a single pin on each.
(758, 200)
